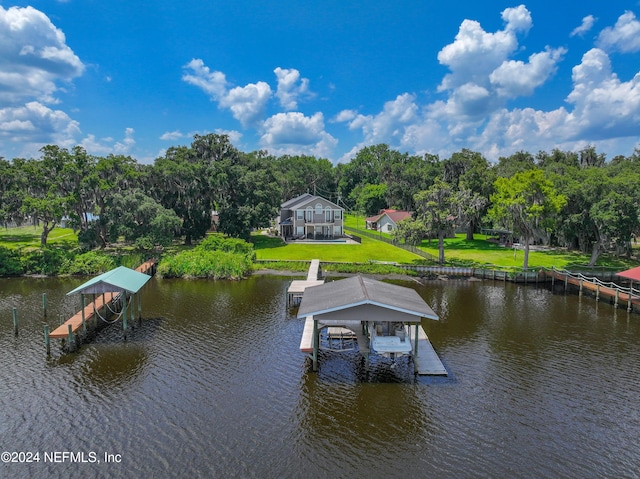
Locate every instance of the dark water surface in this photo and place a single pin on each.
(212, 385)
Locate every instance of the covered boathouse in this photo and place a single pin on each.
(383, 318)
(120, 285)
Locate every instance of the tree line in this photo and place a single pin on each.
(574, 199)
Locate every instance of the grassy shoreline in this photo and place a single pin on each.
(369, 257)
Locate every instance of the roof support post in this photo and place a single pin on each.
(416, 341)
(84, 322)
(124, 314)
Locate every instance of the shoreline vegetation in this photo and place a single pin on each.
(221, 257)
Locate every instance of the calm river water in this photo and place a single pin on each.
(212, 385)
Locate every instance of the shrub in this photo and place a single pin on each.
(92, 262)
(232, 245)
(205, 264)
(10, 262)
(47, 260)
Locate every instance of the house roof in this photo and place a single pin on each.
(294, 201)
(394, 215)
(363, 297)
(303, 200)
(117, 280)
(632, 274)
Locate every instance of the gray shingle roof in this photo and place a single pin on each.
(357, 291)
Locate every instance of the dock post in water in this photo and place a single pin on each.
(124, 314)
(44, 305)
(15, 321)
(70, 337)
(47, 340)
(316, 345)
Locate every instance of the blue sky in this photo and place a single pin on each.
(323, 78)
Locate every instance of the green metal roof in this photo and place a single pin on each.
(117, 280)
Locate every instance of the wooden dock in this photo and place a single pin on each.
(426, 361)
(297, 287)
(148, 267)
(76, 321)
(102, 302)
(613, 292)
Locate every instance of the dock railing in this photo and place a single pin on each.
(620, 293)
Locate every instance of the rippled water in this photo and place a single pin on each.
(212, 384)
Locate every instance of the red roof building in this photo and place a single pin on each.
(387, 220)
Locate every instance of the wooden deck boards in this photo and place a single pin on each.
(75, 321)
(427, 361)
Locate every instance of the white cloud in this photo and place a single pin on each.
(602, 110)
(247, 103)
(585, 26)
(290, 87)
(605, 113)
(172, 135)
(517, 19)
(387, 124)
(483, 76)
(213, 83)
(345, 115)
(36, 125)
(34, 57)
(624, 36)
(604, 106)
(293, 132)
(105, 146)
(474, 54)
(516, 78)
(125, 146)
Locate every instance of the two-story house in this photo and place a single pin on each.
(311, 217)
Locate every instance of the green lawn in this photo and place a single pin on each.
(29, 236)
(482, 252)
(269, 248)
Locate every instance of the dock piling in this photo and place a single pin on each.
(47, 340)
(44, 305)
(70, 338)
(15, 321)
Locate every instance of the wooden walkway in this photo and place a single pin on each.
(427, 362)
(93, 308)
(297, 287)
(615, 293)
(75, 321)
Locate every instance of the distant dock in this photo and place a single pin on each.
(297, 287)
